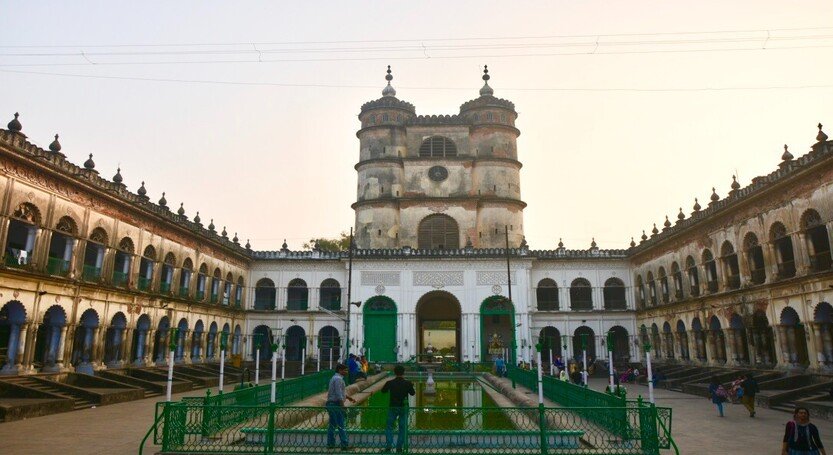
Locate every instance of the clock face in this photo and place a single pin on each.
(438, 173)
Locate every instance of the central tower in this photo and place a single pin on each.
(439, 181)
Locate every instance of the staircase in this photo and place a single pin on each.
(80, 402)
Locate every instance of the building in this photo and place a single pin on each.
(94, 275)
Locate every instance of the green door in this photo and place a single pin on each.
(380, 329)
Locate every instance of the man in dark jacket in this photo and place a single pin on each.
(399, 389)
(750, 389)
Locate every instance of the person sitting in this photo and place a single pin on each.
(559, 363)
(564, 376)
(354, 369)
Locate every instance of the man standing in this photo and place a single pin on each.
(399, 389)
(750, 389)
(500, 367)
(336, 394)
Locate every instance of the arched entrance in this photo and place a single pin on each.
(160, 340)
(793, 338)
(584, 337)
(84, 345)
(737, 339)
(296, 339)
(823, 333)
(438, 327)
(682, 335)
(329, 344)
(497, 329)
(717, 340)
(550, 339)
(380, 329)
(621, 345)
(12, 319)
(139, 336)
(113, 340)
(212, 341)
(263, 340)
(47, 346)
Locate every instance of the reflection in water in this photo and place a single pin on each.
(457, 405)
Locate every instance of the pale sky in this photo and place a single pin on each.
(275, 160)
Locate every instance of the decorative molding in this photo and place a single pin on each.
(493, 277)
(370, 278)
(380, 289)
(439, 264)
(497, 289)
(438, 280)
(601, 264)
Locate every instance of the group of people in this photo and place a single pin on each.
(398, 388)
(742, 390)
(357, 367)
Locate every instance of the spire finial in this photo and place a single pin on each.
(181, 211)
(696, 205)
(735, 184)
(389, 90)
(644, 236)
(786, 156)
(224, 233)
(655, 231)
(197, 219)
(714, 196)
(55, 146)
(486, 90)
(560, 243)
(162, 201)
(235, 239)
(284, 247)
(15, 126)
(89, 164)
(211, 225)
(633, 244)
(248, 245)
(667, 223)
(593, 242)
(821, 137)
(142, 190)
(118, 178)
(681, 215)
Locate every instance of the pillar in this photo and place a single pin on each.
(23, 330)
(828, 343)
(818, 343)
(791, 344)
(784, 358)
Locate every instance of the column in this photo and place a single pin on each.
(828, 343)
(784, 358)
(818, 343)
(753, 346)
(729, 346)
(801, 253)
(793, 347)
(124, 354)
(59, 355)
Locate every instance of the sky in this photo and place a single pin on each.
(247, 111)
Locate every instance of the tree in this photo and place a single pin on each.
(342, 243)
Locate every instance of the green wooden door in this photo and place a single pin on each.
(380, 329)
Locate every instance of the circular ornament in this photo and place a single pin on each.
(380, 289)
(496, 289)
(438, 173)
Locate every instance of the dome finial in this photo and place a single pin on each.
(681, 215)
(389, 90)
(224, 233)
(696, 205)
(644, 237)
(560, 243)
(735, 184)
(211, 225)
(655, 231)
(55, 146)
(284, 247)
(197, 219)
(181, 211)
(633, 244)
(15, 126)
(89, 164)
(667, 223)
(714, 196)
(162, 201)
(142, 190)
(486, 90)
(235, 239)
(821, 137)
(593, 242)
(786, 156)
(118, 178)
(248, 245)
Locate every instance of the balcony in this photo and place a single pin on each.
(164, 288)
(143, 283)
(214, 298)
(58, 267)
(183, 292)
(712, 286)
(678, 294)
(296, 304)
(821, 262)
(733, 281)
(758, 276)
(14, 261)
(581, 305)
(91, 273)
(200, 295)
(616, 304)
(786, 269)
(119, 279)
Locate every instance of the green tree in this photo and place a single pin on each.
(342, 243)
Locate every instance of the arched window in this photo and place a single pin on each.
(166, 278)
(547, 294)
(677, 275)
(330, 295)
(710, 268)
(146, 268)
(640, 292)
(94, 254)
(61, 246)
(22, 232)
(693, 276)
(202, 278)
(438, 232)
(730, 262)
(227, 285)
(755, 258)
(238, 292)
(652, 288)
(265, 294)
(581, 295)
(215, 286)
(783, 250)
(121, 264)
(614, 294)
(818, 242)
(185, 277)
(663, 285)
(437, 147)
(297, 295)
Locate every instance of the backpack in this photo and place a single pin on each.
(721, 393)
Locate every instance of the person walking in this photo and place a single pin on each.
(800, 436)
(717, 394)
(336, 394)
(750, 389)
(500, 367)
(399, 389)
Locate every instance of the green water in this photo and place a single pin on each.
(457, 405)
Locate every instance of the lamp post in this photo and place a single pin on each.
(564, 348)
(283, 361)
(256, 338)
(647, 347)
(223, 343)
(172, 347)
(584, 358)
(274, 348)
(610, 359)
(318, 355)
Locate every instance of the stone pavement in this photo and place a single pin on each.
(117, 429)
(697, 428)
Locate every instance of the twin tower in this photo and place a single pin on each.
(438, 182)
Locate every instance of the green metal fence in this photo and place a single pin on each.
(433, 430)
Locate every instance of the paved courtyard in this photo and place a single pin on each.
(117, 429)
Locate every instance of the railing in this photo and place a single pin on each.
(431, 430)
(143, 283)
(786, 269)
(91, 273)
(758, 276)
(183, 291)
(297, 304)
(712, 286)
(678, 294)
(733, 281)
(570, 395)
(199, 295)
(821, 261)
(164, 287)
(214, 298)
(119, 279)
(56, 266)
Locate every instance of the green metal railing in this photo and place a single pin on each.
(57, 266)
(119, 279)
(143, 283)
(183, 291)
(164, 287)
(91, 273)
(199, 295)
(214, 298)
(432, 430)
